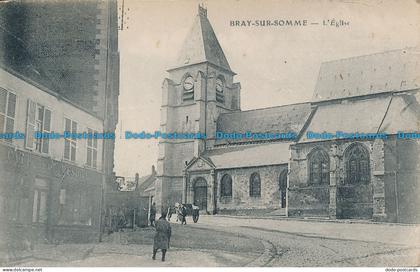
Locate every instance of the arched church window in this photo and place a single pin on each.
(226, 186)
(255, 185)
(188, 88)
(319, 167)
(220, 88)
(357, 164)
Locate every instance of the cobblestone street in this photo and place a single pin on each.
(241, 241)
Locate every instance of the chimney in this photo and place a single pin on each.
(136, 178)
(153, 170)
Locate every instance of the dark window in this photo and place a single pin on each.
(319, 167)
(188, 88)
(39, 208)
(220, 87)
(255, 185)
(77, 206)
(357, 164)
(226, 186)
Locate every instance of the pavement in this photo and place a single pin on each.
(244, 241)
(133, 248)
(323, 243)
(111, 255)
(389, 233)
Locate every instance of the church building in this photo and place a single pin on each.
(367, 172)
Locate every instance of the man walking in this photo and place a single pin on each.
(162, 236)
(152, 216)
(183, 215)
(195, 213)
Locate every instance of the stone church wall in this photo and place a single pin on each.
(305, 199)
(336, 199)
(241, 199)
(402, 172)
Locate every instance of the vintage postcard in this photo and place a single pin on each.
(202, 134)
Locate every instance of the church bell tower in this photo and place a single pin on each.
(199, 87)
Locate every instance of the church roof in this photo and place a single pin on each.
(403, 113)
(385, 114)
(252, 155)
(282, 119)
(201, 45)
(396, 70)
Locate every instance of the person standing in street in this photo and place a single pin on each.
(121, 221)
(162, 236)
(152, 216)
(170, 211)
(195, 213)
(183, 215)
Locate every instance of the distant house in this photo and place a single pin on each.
(146, 186)
(131, 199)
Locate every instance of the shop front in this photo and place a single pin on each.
(45, 200)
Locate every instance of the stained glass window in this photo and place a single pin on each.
(255, 185)
(357, 164)
(319, 167)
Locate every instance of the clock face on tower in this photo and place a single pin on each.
(219, 85)
(188, 83)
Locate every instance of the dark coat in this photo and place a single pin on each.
(184, 211)
(153, 211)
(162, 235)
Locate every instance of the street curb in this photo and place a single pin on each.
(319, 220)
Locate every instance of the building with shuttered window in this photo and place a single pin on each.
(59, 71)
(50, 188)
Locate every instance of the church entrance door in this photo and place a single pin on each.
(200, 194)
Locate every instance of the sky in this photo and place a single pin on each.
(275, 65)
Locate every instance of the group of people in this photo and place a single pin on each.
(163, 229)
(180, 211)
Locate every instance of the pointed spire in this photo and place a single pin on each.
(202, 11)
(201, 44)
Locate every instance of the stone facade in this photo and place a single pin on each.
(198, 114)
(377, 199)
(240, 199)
(335, 199)
(211, 170)
(336, 177)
